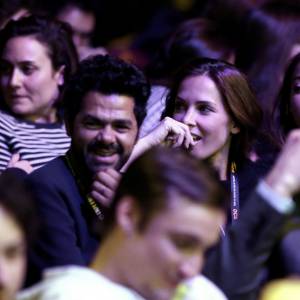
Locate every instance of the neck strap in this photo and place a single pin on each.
(94, 205)
(235, 194)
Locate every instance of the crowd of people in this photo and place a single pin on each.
(171, 176)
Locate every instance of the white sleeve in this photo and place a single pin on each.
(283, 205)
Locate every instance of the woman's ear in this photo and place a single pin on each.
(234, 129)
(59, 75)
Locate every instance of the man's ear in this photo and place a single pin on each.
(127, 215)
(59, 75)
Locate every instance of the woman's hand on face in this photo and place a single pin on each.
(16, 162)
(168, 132)
(171, 133)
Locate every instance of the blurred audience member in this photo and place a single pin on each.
(285, 260)
(18, 223)
(269, 39)
(287, 109)
(80, 16)
(13, 10)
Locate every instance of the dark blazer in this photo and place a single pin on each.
(236, 262)
(66, 235)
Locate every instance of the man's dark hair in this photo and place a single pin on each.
(157, 174)
(107, 75)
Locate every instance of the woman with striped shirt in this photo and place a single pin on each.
(37, 56)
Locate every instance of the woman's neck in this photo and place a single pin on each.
(219, 162)
(46, 118)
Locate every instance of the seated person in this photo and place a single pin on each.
(80, 15)
(104, 107)
(167, 211)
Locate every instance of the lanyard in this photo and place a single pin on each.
(235, 195)
(94, 205)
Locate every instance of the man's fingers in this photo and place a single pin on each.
(109, 178)
(101, 198)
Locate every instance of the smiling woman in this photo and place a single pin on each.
(212, 113)
(37, 57)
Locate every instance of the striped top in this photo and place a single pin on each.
(36, 143)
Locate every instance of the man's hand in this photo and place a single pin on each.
(284, 178)
(16, 162)
(104, 186)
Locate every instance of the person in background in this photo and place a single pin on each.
(37, 57)
(80, 16)
(269, 39)
(285, 260)
(13, 10)
(18, 224)
(286, 114)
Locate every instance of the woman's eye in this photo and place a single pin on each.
(205, 109)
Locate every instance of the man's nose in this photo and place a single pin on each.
(107, 135)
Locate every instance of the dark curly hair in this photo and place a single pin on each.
(107, 75)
